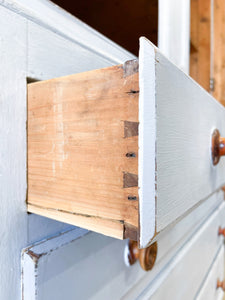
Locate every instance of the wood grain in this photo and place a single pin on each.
(200, 55)
(76, 145)
(81, 162)
(96, 250)
(105, 226)
(219, 51)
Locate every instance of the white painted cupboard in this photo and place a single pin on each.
(39, 41)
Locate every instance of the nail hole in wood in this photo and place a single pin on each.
(132, 198)
(133, 92)
(130, 154)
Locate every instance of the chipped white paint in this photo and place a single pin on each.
(40, 41)
(65, 267)
(33, 256)
(186, 272)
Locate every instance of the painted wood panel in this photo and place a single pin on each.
(68, 27)
(13, 231)
(41, 66)
(15, 18)
(185, 274)
(175, 170)
(186, 116)
(29, 31)
(208, 290)
(100, 259)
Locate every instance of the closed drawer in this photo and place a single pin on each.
(184, 275)
(124, 151)
(100, 259)
(209, 289)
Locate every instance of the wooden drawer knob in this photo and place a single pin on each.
(221, 231)
(146, 256)
(221, 284)
(218, 146)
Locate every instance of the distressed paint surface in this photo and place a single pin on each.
(182, 279)
(47, 25)
(13, 231)
(32, 45)
(64, 263)
(43, 66)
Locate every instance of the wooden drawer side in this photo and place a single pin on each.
(83, 149)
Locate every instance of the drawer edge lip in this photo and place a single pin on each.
(147, 143)
(106, 227)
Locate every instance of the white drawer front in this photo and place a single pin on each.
(177, 118)
(209, 290)
(100, 259)
(184, 275)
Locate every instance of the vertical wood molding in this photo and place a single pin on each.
(207, 57)
(219, 51)
(200, 42)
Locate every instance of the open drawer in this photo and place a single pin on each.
(126, 150)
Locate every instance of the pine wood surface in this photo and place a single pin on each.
(78, 153)
(200, 42)
(219, 51)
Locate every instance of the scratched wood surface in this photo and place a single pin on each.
(83, 148)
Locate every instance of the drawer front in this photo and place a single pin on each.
(177, 121)
(75, 261)
(184, 275)
(126, 150)
(209, 290)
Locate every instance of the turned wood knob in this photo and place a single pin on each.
(221, 284)
(221, 231)
(218, 146)
(146, 256)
